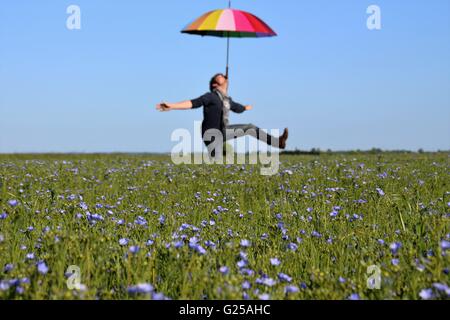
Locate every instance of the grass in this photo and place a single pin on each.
(75, 209)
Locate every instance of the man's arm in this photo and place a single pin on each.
(164, 106)
(239, 108)
(185, 105)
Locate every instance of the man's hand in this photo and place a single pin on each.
(162, 107)
(248, 108)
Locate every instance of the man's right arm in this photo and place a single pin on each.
(164, 106)
(185, 105)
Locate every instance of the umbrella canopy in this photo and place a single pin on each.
(229, 23)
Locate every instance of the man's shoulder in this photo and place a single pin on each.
(211, 96)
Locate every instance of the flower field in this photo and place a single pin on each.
(338, 226)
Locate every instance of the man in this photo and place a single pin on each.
(216, 108)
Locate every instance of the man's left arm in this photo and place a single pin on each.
(239, 108)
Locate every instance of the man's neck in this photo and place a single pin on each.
(223, 90)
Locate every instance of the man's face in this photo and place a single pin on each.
(220, 80)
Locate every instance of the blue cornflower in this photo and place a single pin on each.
(291, 289)
(224, 270)
(284, 277)
(178, 244)
(445, 245)
(140, 288)
(334, 213)
(264, 280)
(42, 267)
(426, 294)
(354, 296)
(8, 267)
(200, 250)
(158, 296)
(30, 256)
(395, 247)
(380, 192)
(246, 285)
(316, 234)
(441, 287)
(123, 241)
(134, 249)
(275, 261)
(245, 243)
(3, 216)
(264, 296)
(13, 203)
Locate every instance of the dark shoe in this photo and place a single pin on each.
(283, 138)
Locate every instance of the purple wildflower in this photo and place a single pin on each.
(354, 296)
(291, 289)
(316, 234)
(264, 296)
(134, 249)
(224, 270)
(42, 267)
(284, 277)
(123, 241)
(13, 203)
(143, 288)
(8, 267)
(245, 243)
(30, 256)
(246, 285)
(445, 245)
(275, 261)
(395, 247)
(426, 294)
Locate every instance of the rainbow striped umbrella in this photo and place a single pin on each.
(229, 23)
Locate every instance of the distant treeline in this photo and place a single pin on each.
(317, 151)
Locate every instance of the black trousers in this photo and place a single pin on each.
(240, 130)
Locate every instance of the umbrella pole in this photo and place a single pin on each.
(228, 45)
(228, 54)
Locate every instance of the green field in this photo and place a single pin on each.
(138, 226)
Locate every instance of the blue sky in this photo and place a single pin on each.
(333, 82)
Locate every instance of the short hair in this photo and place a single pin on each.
(212, 82)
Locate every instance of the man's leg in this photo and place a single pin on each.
(240, 130)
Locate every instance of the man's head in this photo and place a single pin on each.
(218, 80)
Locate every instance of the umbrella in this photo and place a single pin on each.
(229, 23)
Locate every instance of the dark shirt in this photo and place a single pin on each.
(213, 110)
